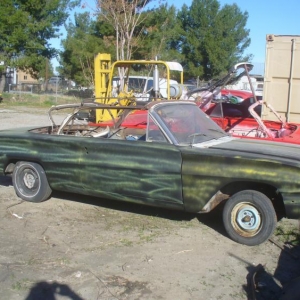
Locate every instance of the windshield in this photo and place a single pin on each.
(187, 123)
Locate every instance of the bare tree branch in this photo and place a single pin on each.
(124, 16)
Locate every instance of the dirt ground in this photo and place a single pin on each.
(78, 247)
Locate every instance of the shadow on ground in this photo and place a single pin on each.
(212, 219)
(49, 291)
(5, 181)
(284, 284)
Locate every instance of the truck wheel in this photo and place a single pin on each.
(30, 182)
(249, 217)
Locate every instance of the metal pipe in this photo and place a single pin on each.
(250, 83)
(156, 81)
(261, 124)
(290, 81)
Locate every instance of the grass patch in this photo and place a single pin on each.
(288, 233)
(148, 237)
(126, 242)
(23, 284)
(35, 100)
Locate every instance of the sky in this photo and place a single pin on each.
(265, 17)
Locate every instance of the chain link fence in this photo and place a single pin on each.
(52, 89)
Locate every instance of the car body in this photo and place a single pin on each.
(230, 103)
(173, 156)
(240, 101)
(244, 120)
(238, 96)
(239, 112)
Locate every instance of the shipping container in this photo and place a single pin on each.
(282, 76)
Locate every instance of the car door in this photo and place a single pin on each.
(131, 170)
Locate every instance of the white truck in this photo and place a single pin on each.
(282, 77)
(143, 86)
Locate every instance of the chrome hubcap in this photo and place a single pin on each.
(29, 180)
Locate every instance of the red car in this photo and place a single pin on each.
(239, 112)
(237, 96)
(233, 120)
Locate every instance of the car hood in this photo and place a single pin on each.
(259, 148)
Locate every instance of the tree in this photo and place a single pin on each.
(159, 36)
(85, 38)
(26, 27)
(124, 16)
(205, 38)
(215, 37)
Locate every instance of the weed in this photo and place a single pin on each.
(23, 284)
(148, 238)
(227, 276)
(126, 242)
(288, 234)
(206, 284)
(64, 261)
(237, 295)
(32, 261)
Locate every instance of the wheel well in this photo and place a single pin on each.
(12, 164)
(269, 190)
(10, 168)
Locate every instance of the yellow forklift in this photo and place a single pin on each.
(118, 84)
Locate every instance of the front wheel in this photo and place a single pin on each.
(30, 182)
(249, 217)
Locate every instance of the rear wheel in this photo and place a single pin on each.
(30, 182)
(249, 217)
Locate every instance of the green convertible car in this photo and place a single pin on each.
(166, 154)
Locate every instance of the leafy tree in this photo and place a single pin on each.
(45, 70)
(215, 38)
(26, 27)
(159, 36)
(85, 38)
